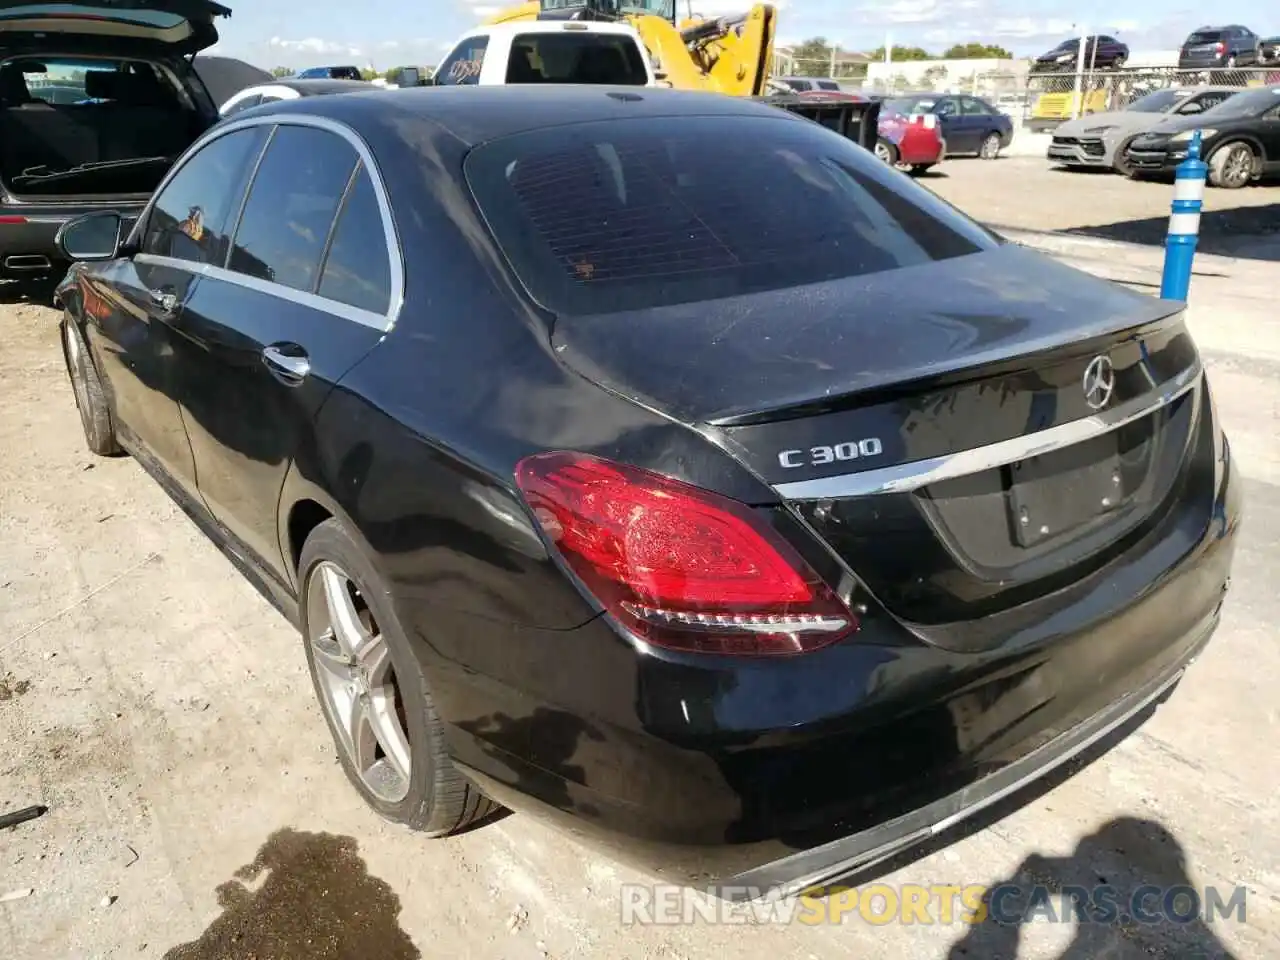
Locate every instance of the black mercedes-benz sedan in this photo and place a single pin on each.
(745, 509)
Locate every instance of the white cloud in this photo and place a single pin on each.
(314, 45)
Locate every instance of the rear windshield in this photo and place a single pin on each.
(632, 214)
(1205, 36)
(576, 58)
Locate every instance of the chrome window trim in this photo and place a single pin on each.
(906, 477)
(380, 321)
(314, 301)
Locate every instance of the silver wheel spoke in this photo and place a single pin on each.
(386, 728)
(331, 657)
(347, 628)
(357, 681)
(360, 735)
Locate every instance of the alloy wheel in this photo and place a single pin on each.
(883, 153)
(991, 147)
(357, 682)
(1239, 166)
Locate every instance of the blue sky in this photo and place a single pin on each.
(388, 33)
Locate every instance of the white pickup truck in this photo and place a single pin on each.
(547, 51)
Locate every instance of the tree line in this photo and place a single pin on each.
(813, 57)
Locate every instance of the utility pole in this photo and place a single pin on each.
(1077, 103)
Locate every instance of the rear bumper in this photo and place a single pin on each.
(734, 774)
(862, 850)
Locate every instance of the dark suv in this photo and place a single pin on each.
(330, 73)
(96, 102)
(1229, 46)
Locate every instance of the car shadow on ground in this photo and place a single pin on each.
(1127, 862)
(1251, 233)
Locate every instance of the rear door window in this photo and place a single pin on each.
(462, 67)
(576, 58)
(627, 215)
(291, 206)
(357, 270)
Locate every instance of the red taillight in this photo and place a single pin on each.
(677, 565)
(7, 220)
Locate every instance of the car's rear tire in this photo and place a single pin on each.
(1232, 165)
(886, 151)
(86, 386)
(369, 681)
(990, 148)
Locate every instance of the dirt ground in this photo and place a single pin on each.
(162, 712)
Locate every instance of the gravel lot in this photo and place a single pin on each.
(162, 711)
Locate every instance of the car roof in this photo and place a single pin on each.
(550, 26)
(477, 114)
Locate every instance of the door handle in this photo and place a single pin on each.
(287, 362)
(166, 301)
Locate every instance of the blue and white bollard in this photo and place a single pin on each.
(1184, 223)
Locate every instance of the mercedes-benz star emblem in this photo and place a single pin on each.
(1099, 382)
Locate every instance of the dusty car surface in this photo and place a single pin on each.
(753, 514)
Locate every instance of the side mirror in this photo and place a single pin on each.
(1192, 108)
(92, 237)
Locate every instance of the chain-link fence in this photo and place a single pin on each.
(1051, 98)
(846, 68)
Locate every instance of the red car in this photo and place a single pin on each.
(911, 143)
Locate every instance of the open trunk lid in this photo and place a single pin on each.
(177, 26)
(988, 428)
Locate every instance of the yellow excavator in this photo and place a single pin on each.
(731, 55)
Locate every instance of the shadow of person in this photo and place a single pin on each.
(316, 900)
(1126, 888)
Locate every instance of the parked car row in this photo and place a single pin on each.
(916, 131)
(1231, 45)
(1239, 128)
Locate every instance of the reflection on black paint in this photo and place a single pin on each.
(317, 901)
(547, 738)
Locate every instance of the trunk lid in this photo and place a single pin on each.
(765, 356)
(990, 428)
(177, 26)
